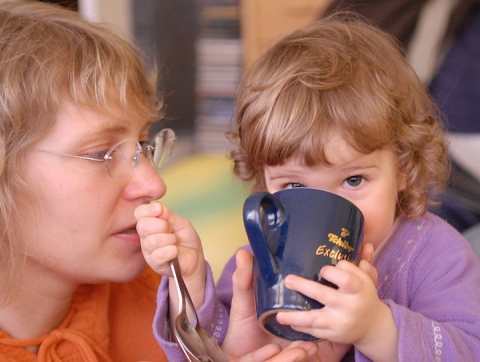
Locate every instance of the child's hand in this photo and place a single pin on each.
(353, 313)
(243, 318)
(261, 346)
(164, 236)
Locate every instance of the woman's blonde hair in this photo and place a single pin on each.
(49, 55)
(342, 76)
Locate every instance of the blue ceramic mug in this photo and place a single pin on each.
(297, 231)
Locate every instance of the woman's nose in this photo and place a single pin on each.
(146, 182)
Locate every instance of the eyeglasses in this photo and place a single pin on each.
(124, 157)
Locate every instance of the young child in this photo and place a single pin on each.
(335, 106)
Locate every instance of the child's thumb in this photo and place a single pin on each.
(243, 300)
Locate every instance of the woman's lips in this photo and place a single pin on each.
(130, 235)
(129, 231)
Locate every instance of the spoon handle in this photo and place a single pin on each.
(192, 346)
(215, 353)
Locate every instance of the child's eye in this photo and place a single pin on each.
(353, 181)
(293, 185)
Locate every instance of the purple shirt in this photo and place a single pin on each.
(428, 275)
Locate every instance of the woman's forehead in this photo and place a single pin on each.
(81, 124)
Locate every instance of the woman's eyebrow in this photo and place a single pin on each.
(114, 129)
(105, 130)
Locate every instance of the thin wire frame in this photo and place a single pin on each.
(129, 152)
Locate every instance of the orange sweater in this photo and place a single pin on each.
(107, 322)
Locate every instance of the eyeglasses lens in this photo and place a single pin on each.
(163, 144)
(123, 158)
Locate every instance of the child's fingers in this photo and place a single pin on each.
(312, 289)
(261, 355)
(366, 261)
(153, 209)
(156, 210)
(369, 269)
(158, 259)
(152, 225)
(311, 322)
(149, 221)
(243, 274)
(273, 353)
(158, 241)
(243, 301)
(179, 224)
(347, 276)
(367, 252)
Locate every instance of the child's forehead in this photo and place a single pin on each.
(336, 151)
(346, 161)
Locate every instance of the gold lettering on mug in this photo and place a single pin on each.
(337, 254)
(338, 240)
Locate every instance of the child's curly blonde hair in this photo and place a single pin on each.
(342, 76)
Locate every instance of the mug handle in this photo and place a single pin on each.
(264, 218)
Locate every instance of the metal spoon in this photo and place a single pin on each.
(215, 353)
(195, 342)
(185, 333)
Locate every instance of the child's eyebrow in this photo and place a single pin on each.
(275, 177)
(358, 163)
(355, 169)
(285, 171)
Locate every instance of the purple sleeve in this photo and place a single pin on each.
(224, 285)
(212, 314)
(442, 319)
(431, 283)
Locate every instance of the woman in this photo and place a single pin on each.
(75, 109)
